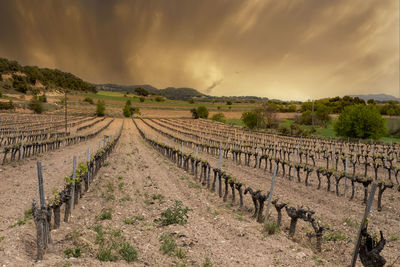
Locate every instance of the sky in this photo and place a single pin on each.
(286, 49)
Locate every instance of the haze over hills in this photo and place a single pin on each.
(377, 97)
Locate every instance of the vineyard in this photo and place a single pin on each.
(109, 187)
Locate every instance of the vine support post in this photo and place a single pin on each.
(72, 199)
(40, 180)
(345, 178)
(88, 175)
(271, 190)
(364, 219)
(219, 167)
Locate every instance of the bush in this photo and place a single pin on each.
(127, 111)
(229, 102)
(1, 92)
(175, 215)
(191, 101)
(7, 105)
(100, 108)
(43, 98)
(36, 105)
(128, 102)
(88, 100)
(360, 121)
(141, 91)
(141, 99)
(251, 119)
(219, 117)
(159, 99)
(202, 112)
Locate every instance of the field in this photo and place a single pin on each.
(160, 194)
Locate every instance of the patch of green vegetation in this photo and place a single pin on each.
(72, 252)
(318, 261)
(350, 222)
(207, 262)
(100, 235)
(158, 197)
(125, 198)
(270, 227)
(121, 185)
(106, 214)
(394, 237)
(105, 254)
(128, 253)
(168, 244)
(335, 236)
(174, 215)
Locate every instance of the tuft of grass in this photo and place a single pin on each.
(105, 254)
(350, 222)
(105, 215)
(128, 253)
(126, 198)
(270, 228)
(69, 252)
(158, 196)
(110, 187)
(168, 244)
(175, 215)
(317, 260)
(335, 236)
(28, 214)
(120, 177)
(207, 262)
(180, 253)
(116, 233)
(394, 237)
(100, 236)
(121, 185)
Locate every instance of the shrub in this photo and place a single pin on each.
(100, 108)
(43, 98)
(159, 98)
(128, 102)
(229, 102)
(175, 215)
(1, 92)
(141, 99)
(88, 100)
(35, 105)
(251, 119)
(127, 111)
(191, 101)
(76, 253)
(219, 117)
(141, 91)
(360, 121)
(7, 105)
(202, 112)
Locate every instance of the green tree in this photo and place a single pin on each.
(251, 119)
(202, 112)
(219, 117)
(360, 121)
(141, 91)
(127, 111)
(100, 108)
(36, 105)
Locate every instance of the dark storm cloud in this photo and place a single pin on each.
(284, 49)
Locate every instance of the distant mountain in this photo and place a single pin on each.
(177, 93)
(377, 97)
